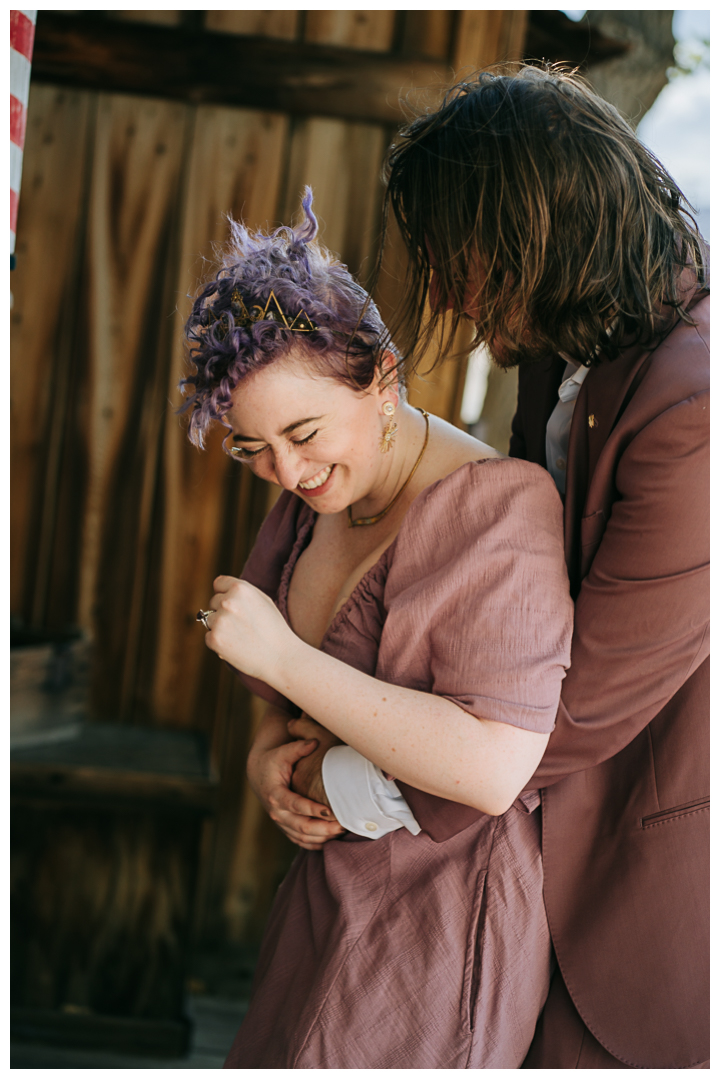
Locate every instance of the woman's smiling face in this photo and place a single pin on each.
(309, 433)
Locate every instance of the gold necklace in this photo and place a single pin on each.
(388, 508)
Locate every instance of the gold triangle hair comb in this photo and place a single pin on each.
(271, 312)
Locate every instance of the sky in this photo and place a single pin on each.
(677, 127)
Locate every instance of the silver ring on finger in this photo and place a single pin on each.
(202, 616)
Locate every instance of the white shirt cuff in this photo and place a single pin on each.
(362, 800)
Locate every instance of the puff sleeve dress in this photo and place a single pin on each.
(428, 951)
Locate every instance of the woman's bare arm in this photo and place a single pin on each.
(423, 739)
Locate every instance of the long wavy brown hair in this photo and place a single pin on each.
(536, 205)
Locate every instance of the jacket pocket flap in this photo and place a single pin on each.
(676, 812)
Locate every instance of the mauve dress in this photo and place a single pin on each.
(406, 952)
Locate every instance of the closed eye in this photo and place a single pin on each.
(244, 454)
(303, 442)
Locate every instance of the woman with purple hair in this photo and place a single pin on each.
(405, 613)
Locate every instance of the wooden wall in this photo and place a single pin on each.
(118, 524)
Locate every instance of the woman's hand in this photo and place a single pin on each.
(247, 630)
(304, 821)
(307, 775)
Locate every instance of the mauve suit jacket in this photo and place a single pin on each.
(625, 778)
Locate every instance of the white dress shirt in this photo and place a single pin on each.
(360, 797)
(362, 800)
(557, 433)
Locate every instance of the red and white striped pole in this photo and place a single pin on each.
(22, 35)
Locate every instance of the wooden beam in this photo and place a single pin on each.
(280, 76)
(48, 785)
(552, 36)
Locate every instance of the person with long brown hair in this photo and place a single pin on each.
(528, 204)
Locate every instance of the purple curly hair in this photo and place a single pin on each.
(347, 343)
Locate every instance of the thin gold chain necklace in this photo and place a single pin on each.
(388, 508)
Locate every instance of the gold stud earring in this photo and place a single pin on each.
(390, 429)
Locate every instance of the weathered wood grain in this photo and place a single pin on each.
(133, 204)
(298, 78)
(514, 35)
(280, 23)
(487, 37)
(372, 30)
(428, 33)
(341, 161)
(236, 161)
(160, 17)
(44, 285)
(101, 910)
(48, 785)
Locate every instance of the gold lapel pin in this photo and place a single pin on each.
(592, 422)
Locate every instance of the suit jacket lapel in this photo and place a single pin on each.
(600, 403)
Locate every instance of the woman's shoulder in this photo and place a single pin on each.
(458, 460)
(491, 485)
(490, 501)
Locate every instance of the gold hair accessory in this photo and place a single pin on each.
(388, 508)
(271, 312)
(390, 430)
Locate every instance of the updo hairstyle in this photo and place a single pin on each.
(346, 340)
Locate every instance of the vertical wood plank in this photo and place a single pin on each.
(347, 195)
(488, 37)
(352, 29)
(280, 23)
(137, 161)
(235, 166)
(41, 325)
(512, 43)
(428, 33)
